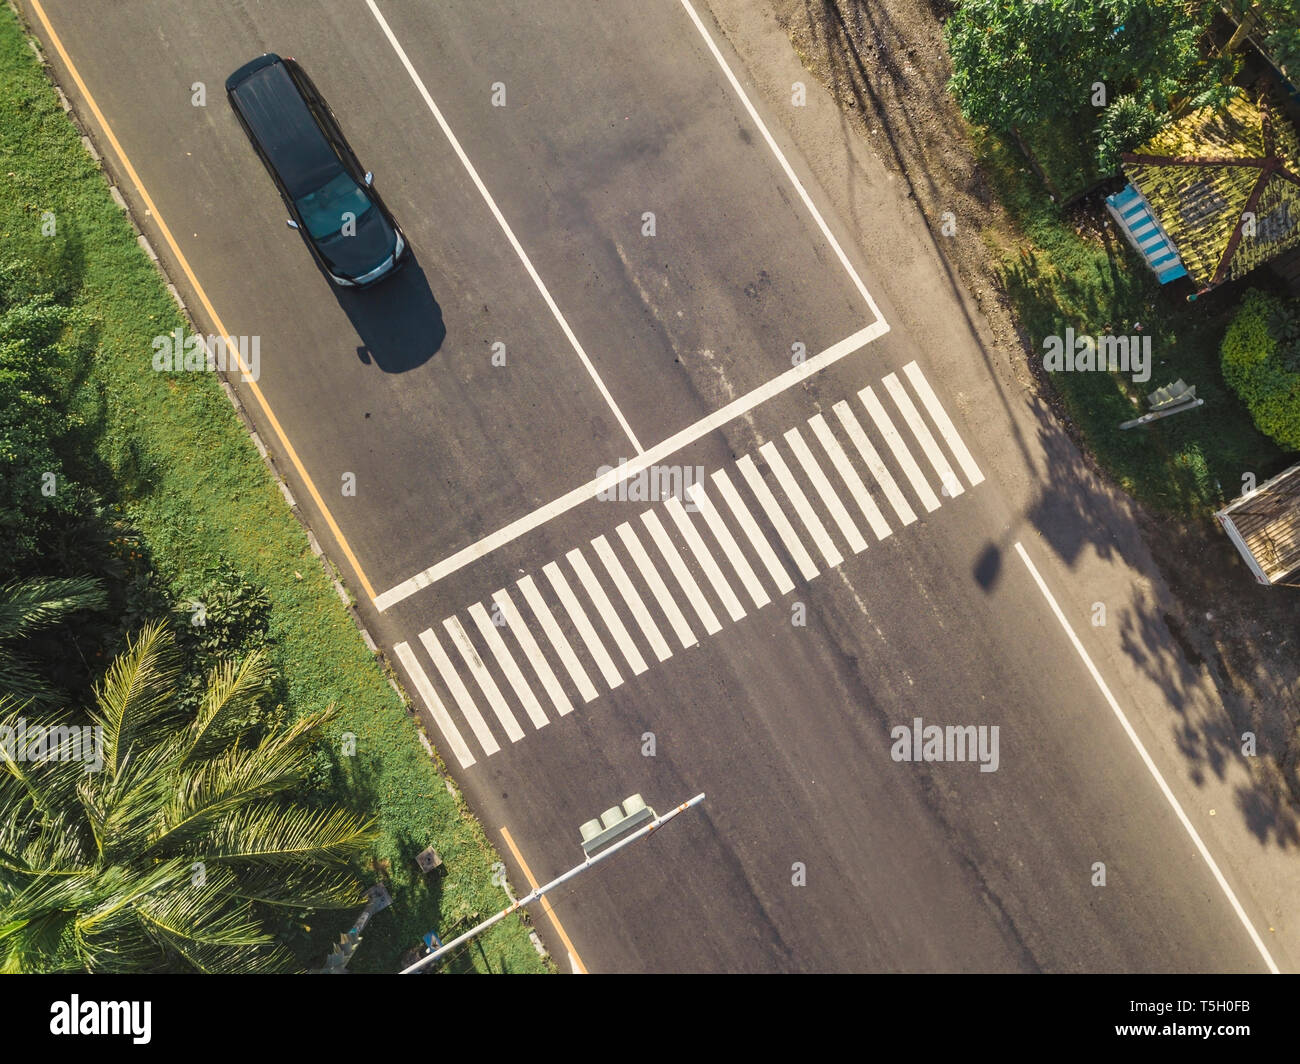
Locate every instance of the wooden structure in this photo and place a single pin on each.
(1265, 526)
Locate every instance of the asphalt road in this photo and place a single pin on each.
(815, 849)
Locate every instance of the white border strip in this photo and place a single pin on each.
(1146, 760)
(656, 454)
(501, 221)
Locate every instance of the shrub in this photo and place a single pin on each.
(1254, 368)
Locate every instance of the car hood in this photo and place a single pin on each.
(354, 256)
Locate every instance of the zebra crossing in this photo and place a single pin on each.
(660, 584)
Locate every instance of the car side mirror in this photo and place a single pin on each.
(370, 178)
(291, 224)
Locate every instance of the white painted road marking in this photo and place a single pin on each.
(532, 652)
(801, 505)
(776, 516)
(635, 604)
(913, 471)
(460, 640)
(434, 705)
(586, 630)
(606, 610)
(678, 566)
(823, 488)
(505, 660)
(689, 533)
(946, 429)
(922, 433)
(1150, 764)
(657, 586)
(878, 468)
(544, 617)
(458, 692)
(849, 475)
(730, 548)
(750, 527)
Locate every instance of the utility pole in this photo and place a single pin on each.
(615, 820)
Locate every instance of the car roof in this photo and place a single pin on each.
(278, 116)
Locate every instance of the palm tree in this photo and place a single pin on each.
(28, 607)
(163, 856)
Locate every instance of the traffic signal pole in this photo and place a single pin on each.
(636, 836)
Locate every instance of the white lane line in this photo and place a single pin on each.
(849, 475)
(785, 163)
(913, 471)
(693, 540)
(451, 678)
(632, 597)
(460, 639)
(505, 660)
(946, 428)
(878, 468)
(683, 574)
(750, 527)
(777, 516)
(606, 610)
(1147, 759)
(434, 704)
(656, 455)
(801, 505)
(951, 485)
(532, 652)
(501, 221)
(823, 487)
(656, 584)
(545, 618)
(586, 630)
(730, 548)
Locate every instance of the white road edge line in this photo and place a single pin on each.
(1146, 760)
(785, 164)
(505, 227)
(656, 454)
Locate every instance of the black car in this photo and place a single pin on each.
(331, 199)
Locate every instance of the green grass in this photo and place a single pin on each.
(1187, 464)
(171, 451)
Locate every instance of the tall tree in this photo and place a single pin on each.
(163, 855)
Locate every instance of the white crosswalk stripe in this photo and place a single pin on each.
(823, 488)
(496, 701)
(547, 620)
(657, 586)
(434, 704)
(693, 540)
(910, 469)
(635, 604)
(678, 566)
(849, 475)
(951, 485)
(730, 548)
(515, 623)
(606, 610)
(451, 678)
(776, 516)
(586, 630)
(929, 425)
(506, 662)
(801, 505)
(878, 468)
(946, 428)
(750, 527)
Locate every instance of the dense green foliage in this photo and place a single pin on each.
(1258, 364)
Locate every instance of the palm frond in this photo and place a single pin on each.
(137, 695)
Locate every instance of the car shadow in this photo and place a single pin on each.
(398, 322)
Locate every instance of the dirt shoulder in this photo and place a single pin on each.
(885, 63)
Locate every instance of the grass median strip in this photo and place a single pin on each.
(170, 451)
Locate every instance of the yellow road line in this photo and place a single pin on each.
(289, 451)
(546, 904)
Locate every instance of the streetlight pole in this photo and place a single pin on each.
(642, 833)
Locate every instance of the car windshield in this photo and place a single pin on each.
(323, 211)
